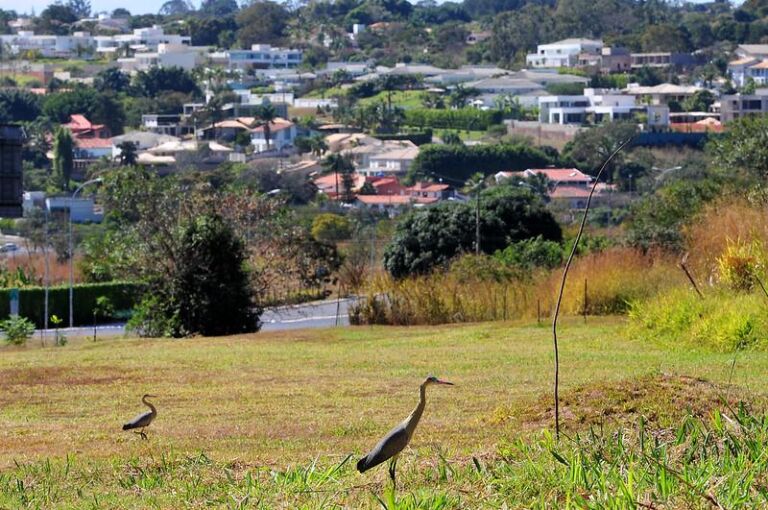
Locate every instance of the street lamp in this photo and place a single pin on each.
(71, 250)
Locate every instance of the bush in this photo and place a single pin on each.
(470, 119)
(17, 330)
(425, 238)
(331, 228)
(458, 162)
(742, 265)
(532, 253)
(124, 295)
(721, 321)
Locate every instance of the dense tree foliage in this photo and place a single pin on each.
(430, 237)
(18, 105)
(162, 80)
(456, 163)
(262, 22)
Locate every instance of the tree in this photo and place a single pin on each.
(128, 153)
(700, 101)
(743, 149)
(176, 8)
(63, 147)
(158, 80)
(55, 19)
(111, 79)
(18, 105)
(262, 22)
(211, 284)
(666, 37)
(590, 148)
(474, 186)
(430, 237)
(265, 117)
(342, 166)
(218, 8)
(331, 228)
(80, 8)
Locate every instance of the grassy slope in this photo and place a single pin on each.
(236, 413)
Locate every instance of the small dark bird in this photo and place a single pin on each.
(144, 419)
(397, 439)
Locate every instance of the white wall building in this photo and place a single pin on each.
(79, 44)
(167, 55)
(597, 106)
(261, 56)
(142, 39)
(282, 135)
(563, 53)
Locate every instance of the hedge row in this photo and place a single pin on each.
(123, 296)
(458, 162)
(464, 118)
(418, 138)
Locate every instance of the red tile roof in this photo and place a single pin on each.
(429, 187)
(561, 174)
(92, 143)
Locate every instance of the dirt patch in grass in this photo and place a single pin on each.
(660, 399)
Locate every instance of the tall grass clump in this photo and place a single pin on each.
(721, 321)
(614, 278)
(480, 288)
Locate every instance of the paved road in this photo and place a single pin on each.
(319, 314)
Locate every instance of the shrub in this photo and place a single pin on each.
(721, 321)
(331, 228)
(459, 162)
(17, 330)
(532, 253)
(124, 295)
(464, 118)
(742, 265)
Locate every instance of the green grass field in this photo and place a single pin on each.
(267, 420)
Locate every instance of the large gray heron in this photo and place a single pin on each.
(142, 420)
(397, 439)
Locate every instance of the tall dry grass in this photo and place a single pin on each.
(720, 225)
(615, 278)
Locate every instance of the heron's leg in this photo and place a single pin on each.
(392, 466)
(143, 434)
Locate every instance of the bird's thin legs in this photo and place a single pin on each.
(392, 465)
(141, 433)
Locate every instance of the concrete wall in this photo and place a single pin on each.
(555, 135)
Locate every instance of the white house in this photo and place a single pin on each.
(82, 210)
(395, 162)
(282, 135)
(141, 39)
(79, 44)
(261, 56)
(563, 53)
(167, 55)
(598, 105)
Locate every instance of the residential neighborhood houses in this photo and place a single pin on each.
(553, 93)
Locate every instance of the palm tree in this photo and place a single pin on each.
(317, 145)
(475, 185)
(341, 164)
(265, 116)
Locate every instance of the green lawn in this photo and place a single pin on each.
(402, 98)
(264, 420)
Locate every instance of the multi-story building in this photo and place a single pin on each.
(260, 56)
(563, 53)
(142, 39)
(597, 106)
(167, 55)
(662, 59)
(79, 44)
(11, 195)
(735, 106)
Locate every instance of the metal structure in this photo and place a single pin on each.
(144, 419)
(397, 439)
(11, 193)
(72, 252)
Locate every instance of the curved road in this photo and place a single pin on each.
(318, 314)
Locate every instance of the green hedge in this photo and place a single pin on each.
(464, 118)
(418, 138)
(123, 295)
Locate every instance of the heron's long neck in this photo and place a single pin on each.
(415, 416)
(149, 404)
